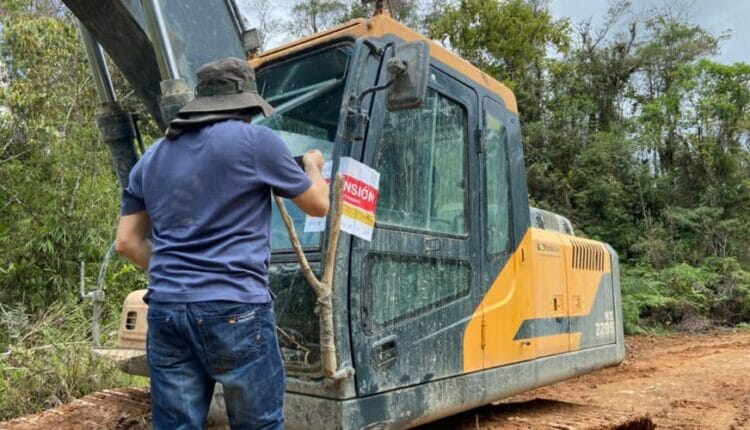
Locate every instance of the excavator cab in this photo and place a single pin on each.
(457, 300)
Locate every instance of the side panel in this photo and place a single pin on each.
(592, 303)
(526, 312)
(550, 298)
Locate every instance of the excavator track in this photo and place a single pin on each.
(128, 409)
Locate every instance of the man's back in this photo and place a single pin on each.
(208, 195)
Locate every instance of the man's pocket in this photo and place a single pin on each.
(232, 335)
(165, 345)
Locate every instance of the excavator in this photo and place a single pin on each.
(463, 296)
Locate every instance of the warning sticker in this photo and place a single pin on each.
(360, 198)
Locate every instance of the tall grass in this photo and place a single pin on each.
(46, 359)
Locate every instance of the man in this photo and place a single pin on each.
(204, 196)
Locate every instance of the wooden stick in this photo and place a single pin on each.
(292, 232)
(323, 290)
(335, 232)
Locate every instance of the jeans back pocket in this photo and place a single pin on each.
(232, 336)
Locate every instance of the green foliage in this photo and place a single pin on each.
(58, 208)
(642, 293)
(685, 296)
(312, 16)
(45, 361)
(58, 196)
(405, 11)
(510, 40)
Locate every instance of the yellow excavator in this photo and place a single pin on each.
(465, 295)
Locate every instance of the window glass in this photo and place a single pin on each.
(422, 163)
(496, 169)
(406, 285)
(200, 31)
(306, 95)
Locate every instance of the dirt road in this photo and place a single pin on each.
(678, 381)
(673, 382)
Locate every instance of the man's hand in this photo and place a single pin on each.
(132, 238)
(314, 201)
(313, 160)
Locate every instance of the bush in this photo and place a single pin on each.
(686, 297)
(47, 359)
(643, 294)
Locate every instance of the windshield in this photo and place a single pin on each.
(306, 94)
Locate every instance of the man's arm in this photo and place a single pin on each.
(132, 238)
(314, 201)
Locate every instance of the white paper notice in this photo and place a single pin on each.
(316, 224)
(360, 198)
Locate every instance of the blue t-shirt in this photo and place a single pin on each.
(208, 194)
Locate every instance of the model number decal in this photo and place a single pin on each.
(606, 327)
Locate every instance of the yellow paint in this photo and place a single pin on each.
(536, 282)
(382, 25)
(358, 214)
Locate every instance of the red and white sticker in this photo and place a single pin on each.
(360, 200)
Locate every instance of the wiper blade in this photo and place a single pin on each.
(302, 90)
(308, 93)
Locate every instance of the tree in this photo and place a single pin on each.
(268, 26)
(508, 39)
(312, 16)
(404, 11)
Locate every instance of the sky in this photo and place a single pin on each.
(716, 16)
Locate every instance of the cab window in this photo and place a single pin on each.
(422, 163)
(496, 174)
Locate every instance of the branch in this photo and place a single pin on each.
(333, 239)
(294, 238)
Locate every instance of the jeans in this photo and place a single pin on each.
(191, 346)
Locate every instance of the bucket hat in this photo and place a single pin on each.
(225, 86)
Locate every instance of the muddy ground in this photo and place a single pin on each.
(678, 381)
(667, 382)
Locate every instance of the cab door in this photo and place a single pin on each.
(507, 297)
(412, 287)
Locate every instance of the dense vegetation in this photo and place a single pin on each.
(630, 130)
(58, 209)
(634, 134)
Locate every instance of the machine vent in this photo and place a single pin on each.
(587, 256)
(130, 320)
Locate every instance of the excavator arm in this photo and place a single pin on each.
(116, 29)
(150, 49)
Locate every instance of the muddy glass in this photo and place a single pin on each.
(306, 94)
(407, 286)
(422, 163)
(496, 172)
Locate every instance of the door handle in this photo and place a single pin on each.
(432, 244)
(385, 351)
